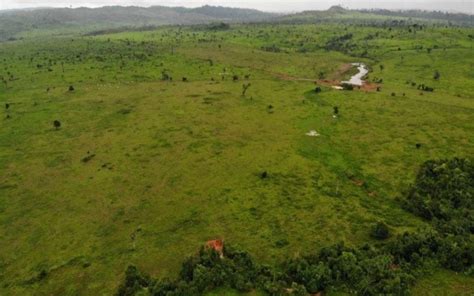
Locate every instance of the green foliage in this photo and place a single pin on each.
(347, 86)
(56, 124)
(380, 231)
(134, 282)
(365, 270)
(444, 194)
(218, 27)
(201, 273)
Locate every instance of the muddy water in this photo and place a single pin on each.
(357, 78)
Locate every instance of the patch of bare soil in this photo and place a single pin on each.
(366, 86)
(343, 69)
(287, 77)
(216, 245)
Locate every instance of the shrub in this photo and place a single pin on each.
(165, 76)
(380, 231)
(133, 283)
(218, 26)
(271, 48)
(347, 86)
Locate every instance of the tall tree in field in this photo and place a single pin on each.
(245, 87)
(57, 124)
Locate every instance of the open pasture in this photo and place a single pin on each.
(159, 150)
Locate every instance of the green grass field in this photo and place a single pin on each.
(144, 171)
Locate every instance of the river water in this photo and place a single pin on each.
(357, 78)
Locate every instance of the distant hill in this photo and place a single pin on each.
(86, 20)
(14, 22)
(378, 17)
(462, 18)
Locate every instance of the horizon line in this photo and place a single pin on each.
(234, 7)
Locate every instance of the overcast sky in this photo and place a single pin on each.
(466, 6)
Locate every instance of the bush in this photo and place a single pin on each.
(380, 231)
(218, 27)
(347, 86)
(133, 283)
(56, 124)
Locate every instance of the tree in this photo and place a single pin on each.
(436, 75)
(7, 106)
(165, 76)
(57, 124)
(71, 88)
(317, 89)
(381, 67)
(380, 231)
(245, 87)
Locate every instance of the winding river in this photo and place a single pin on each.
(357, 78)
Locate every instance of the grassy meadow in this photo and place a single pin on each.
(145, 169)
